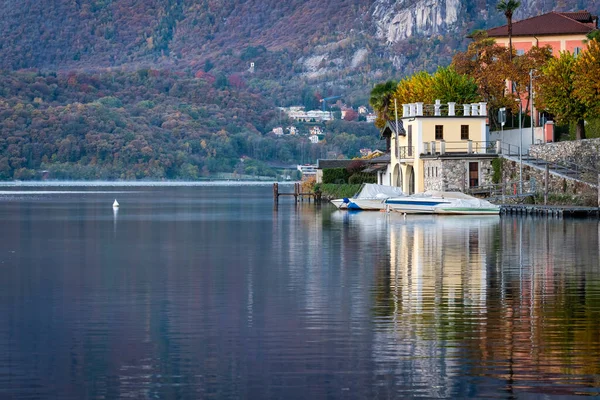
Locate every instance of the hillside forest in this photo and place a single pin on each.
(150, 124)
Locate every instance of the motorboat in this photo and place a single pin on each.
(436, 202)
(370, 197)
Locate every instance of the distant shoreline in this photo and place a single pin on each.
(139, 183)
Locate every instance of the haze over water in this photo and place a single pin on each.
(210, 291)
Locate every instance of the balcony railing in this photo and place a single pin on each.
(462, 147)
(404, 152)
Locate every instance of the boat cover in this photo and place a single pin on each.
(374, 191)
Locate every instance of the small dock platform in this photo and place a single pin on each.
(297, 193)
(558, 211)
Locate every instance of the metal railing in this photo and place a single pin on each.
(506, 189)
(569, 169)
(404, 152)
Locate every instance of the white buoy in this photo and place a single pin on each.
(116, 204)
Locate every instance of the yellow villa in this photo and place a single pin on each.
(439, 147)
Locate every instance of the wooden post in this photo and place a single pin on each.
(296, 191)
(546, 184)
(276, 192)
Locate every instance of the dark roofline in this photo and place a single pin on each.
(391, 127)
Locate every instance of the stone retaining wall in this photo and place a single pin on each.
(533, 181)
(581, 152)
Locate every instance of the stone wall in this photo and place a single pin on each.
(453, 174)
(433, 175)
(534, 182)
(581, 152)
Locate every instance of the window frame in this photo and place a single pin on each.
(439, 129)
(464, 132)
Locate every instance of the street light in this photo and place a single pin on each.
(520, 149)
(531, 96)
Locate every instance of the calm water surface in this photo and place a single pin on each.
(211, 292)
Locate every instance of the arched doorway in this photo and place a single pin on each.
(399, 178)
(410, 176)
(396, 177)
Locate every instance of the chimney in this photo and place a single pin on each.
(405, 110)
(451, 111)
(483, 108)
(419, 109)
(413, 109)
(474, 109)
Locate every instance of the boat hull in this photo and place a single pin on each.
(415, 206)
(366, 205)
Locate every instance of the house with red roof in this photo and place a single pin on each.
(562, 31)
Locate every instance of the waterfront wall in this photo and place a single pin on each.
(575, 192)
(582, 152)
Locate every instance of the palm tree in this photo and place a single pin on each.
(508, 7)
(381, 98)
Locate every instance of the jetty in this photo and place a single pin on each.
(297, 193)
(558, 211)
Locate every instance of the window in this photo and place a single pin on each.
(577, 51)
(439, 132)
(464, 132)
(520, 52)
(410, 140)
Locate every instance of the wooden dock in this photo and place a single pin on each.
(558, 211)
(297, 193)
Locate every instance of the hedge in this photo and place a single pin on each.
(335, 175)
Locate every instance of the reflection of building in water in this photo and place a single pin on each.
(513, 300)
(437, 270)
(439, 261)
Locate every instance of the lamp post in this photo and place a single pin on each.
(520, 148)
(531, 96)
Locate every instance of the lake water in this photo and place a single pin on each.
(211, 292)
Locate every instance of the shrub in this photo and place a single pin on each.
(361, 177)
(497, 167)
(335, 175)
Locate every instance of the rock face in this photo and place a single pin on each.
(399, 20)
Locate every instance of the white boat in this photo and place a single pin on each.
(340, 203)
(434, 202)
(115, 204)
(370, 197)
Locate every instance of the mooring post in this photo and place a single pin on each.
(546, 184)
(276, 192)
(296, 191)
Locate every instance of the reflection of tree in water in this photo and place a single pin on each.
(516, 300)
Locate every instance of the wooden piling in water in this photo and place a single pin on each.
(297, 193)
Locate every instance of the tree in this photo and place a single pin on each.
(350, 115)
(489, 66)
(586, 78)
(557, 92)
(449, 85)
(508, 7)
(593, 35)
(415, 88)
(381, 97)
